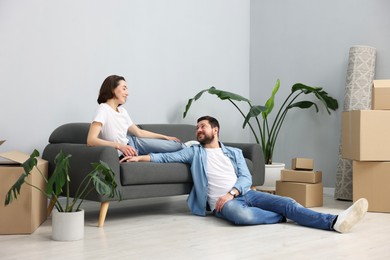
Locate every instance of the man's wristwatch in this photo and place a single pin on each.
(233, 193)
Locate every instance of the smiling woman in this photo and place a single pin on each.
(112, 125)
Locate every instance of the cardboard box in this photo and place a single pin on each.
(25, 214)
(365, 135)
(371, 181)
(307, 194)
(302, 164)
(301, 176)
(381, 94)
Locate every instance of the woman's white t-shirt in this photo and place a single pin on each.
(114, 124)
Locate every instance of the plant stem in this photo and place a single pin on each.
(81, 201)
(243, 115)
(43, 176)
(82, 193)
(31, 185)
(273, 133)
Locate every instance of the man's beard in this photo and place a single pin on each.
(206, 139)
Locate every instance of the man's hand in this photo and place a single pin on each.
(141, 158)
(222, 200)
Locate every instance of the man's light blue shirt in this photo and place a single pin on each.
(196, 156)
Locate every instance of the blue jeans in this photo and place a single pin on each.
(263, 208)
(148, 145)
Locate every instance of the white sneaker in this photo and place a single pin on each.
(190, 143)
(352, 215)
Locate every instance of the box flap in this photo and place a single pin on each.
(15, 156)
(381, 83)
(2, 141)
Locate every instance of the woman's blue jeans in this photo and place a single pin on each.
(256, 207)
(148, 145)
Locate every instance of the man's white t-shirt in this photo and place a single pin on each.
(114, 124)
(220, 174)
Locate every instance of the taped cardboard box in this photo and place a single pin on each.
(365, 135)
(301, 176)
(25, 214)
(381, 94)
(302, 164)
(306, 194)
(371, 181)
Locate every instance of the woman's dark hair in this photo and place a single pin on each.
(107, 89)
(212, 121)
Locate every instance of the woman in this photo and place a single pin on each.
(112, 124)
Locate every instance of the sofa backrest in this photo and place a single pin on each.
(76, 133)
(182, 131)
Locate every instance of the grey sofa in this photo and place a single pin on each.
(136, 180)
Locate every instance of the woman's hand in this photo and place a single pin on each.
(127, 150)
(172, 138)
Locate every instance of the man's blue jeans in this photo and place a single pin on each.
(263, 208)
(149, 145)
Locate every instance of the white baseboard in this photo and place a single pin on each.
(329, 191)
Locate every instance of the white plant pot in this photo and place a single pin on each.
(272, 174)
(67, 226)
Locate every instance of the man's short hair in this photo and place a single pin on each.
(212, 121)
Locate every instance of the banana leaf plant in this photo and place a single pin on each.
(102, 177)
(265, 131)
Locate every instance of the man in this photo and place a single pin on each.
(222, 180)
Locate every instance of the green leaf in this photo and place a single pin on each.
(328, 101)
(28, 166)
(253, 112)
(103, 179)
(15, 189)
(31, 162)
(221, 94)
(196, 97)
(60, 174)
(303, 105)
(271, 101)
(319, 93)
(306, 89)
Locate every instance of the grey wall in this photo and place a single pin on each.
(54, 55)
(308, 41)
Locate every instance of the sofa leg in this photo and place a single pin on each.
(103, 213)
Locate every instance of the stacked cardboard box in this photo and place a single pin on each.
(366, 141)
(28, 211)
(301, 183)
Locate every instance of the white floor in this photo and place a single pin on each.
(163, 228)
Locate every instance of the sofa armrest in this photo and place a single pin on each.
(253, 152)
(80, 163)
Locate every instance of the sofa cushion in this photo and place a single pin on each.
(154, 173)
(158, 173)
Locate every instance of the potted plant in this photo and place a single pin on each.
(102, 177)
(264, 130)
